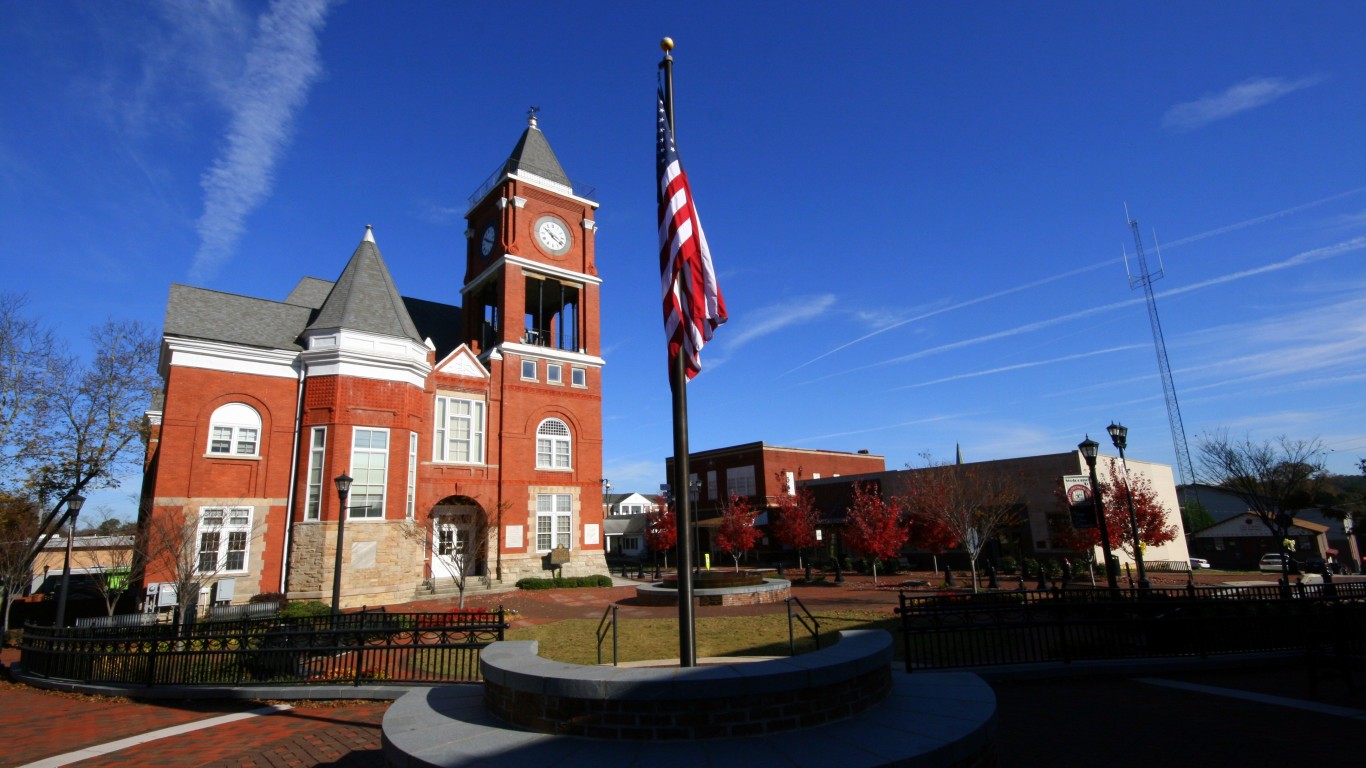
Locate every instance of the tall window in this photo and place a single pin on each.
(552, 445)
(459, 430)
(411, 508)
(224, 534)
(740, 481)
(235, 430)
(316, 452)
(369, 469)
(554, 520)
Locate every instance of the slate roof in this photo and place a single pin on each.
(438, 322)
(199, 313)
(310, 292)
(534, 155)
(365, 299)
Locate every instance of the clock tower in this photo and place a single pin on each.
(530, 310)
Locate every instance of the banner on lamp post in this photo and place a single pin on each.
(1078, 491)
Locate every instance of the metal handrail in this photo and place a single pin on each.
(602, 633)
(812, 626)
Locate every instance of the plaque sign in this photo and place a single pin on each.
(559, 556)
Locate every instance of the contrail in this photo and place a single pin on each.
(951, 308)
(1020, 366)
(281, 66)
(1299, 259)
(1173, 244)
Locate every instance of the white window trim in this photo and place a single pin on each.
(352, 509)
(555, 516)
(410, 508)
(554, 373)
(478, 429)
(313, 491)
(566, 440)
(223, 418)
(224, 529)
(578, 377)
(534, 367)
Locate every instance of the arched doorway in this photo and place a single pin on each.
(458, 540)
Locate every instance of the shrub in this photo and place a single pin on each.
(570, 582)
(304, 609)
(1007, 565)
(270, 597)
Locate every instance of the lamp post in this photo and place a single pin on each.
(343, 490)
(73, 507)
(1089, 448)
(1119, 435)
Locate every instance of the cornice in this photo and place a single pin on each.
(497, 265)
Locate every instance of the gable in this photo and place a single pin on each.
(462, 362)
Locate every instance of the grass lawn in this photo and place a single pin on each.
(575, 640)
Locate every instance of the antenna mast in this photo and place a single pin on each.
(1185, 471)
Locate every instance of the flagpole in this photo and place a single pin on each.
(678, 383)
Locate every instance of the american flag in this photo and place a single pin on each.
(693, 306)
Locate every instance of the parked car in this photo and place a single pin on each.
(1272, 561)
(1315, 564)
(1199, 562)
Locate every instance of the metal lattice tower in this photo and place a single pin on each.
(1145, 278)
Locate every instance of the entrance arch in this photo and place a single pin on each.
(458, 539)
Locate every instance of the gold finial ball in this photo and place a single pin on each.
(667, 44)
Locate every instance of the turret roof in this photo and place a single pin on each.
(364, 297)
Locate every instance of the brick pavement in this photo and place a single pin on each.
(1042, 723)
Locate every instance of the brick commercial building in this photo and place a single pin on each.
(472, 433)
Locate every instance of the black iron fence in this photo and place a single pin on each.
(997, 628)
(348, 649)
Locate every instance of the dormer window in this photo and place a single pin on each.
(235, 430)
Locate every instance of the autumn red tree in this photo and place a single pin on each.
(737, 534)
(661, 529)
(796, 518)
(873, 526)
(963, 505)
(1153, 528)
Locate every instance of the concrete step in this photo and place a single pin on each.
(474, 585)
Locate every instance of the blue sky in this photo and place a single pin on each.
(916, 209)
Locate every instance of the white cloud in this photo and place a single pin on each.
(1246, 95)
(281, 66)
(771, 319)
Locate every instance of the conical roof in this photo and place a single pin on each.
(534, 155)
(365, 299)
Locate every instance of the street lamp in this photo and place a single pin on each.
(343, 490)
(73, 508)
(1089, 448)
(1119, 435)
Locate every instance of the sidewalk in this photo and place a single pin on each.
(1208, 718)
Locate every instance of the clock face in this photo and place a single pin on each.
(487, 244)
(552, 235)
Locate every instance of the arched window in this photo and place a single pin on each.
(552, 445)
(235, 430)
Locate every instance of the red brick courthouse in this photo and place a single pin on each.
(473, 433)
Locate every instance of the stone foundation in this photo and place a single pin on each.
(771, 591)
(656, 704)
